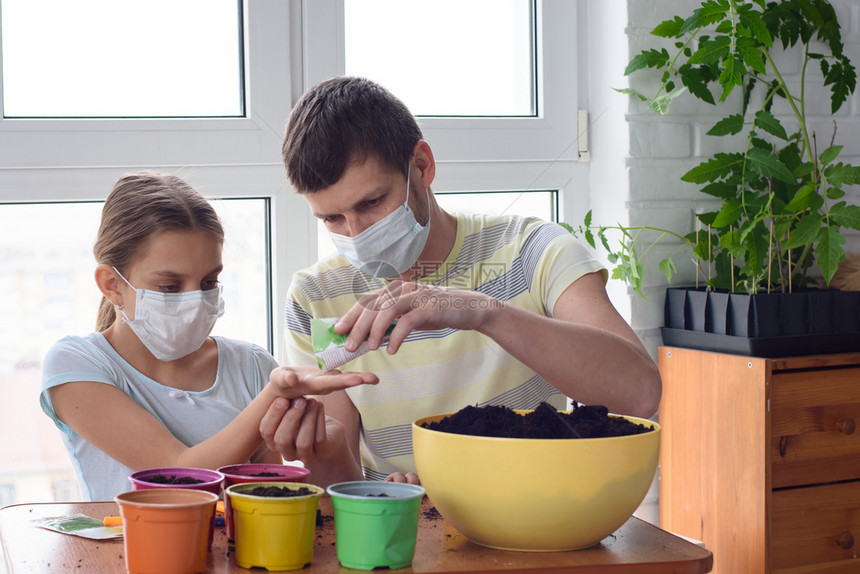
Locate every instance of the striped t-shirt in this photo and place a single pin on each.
(518, 261)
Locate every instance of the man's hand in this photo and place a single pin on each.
(408, 477)
(417, 308)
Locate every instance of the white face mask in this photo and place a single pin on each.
(173, 325)
(388, 247)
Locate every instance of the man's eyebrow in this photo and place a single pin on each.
(377, 191)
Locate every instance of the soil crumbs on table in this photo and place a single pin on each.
(584, 421)
(171, 479)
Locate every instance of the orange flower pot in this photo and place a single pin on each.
(166, 529)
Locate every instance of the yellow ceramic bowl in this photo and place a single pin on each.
(535, 494)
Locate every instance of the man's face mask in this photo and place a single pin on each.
(390, 246)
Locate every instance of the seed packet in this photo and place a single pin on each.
(329, 345)
(80, 525)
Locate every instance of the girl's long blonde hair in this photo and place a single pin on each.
(139, 206)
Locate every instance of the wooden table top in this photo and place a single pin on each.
(635, 547)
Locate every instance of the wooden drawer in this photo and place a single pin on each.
(814, 525)
(814, 434)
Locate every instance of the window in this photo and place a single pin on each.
(121, 59)
(472, 58)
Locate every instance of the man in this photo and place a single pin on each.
(489, 310)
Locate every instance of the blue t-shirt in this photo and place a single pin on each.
(192, 417)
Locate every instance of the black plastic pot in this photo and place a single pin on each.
(805, 322)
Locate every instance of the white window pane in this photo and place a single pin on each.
(446, 57)
(121, 58)
(46, 275)
(542, 204)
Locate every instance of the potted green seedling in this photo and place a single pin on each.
(777, 237)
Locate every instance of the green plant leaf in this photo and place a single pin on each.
(721, 189)
(769, 165)
(801, 199)
(729, 214)
(589, 237)
(843, 79)
(751, 55)
(652, 58)
(568, 227)
(694, 79)
(752, 20)
(713, 169)
(839, 174)
(731, 76)
(829, 252)
(768, 122)
(834, 193)
(661, 104)
(730, 125)
(669, 28)
(602, 235)
(829, 154)
(632, 92)
(587, 220)
(846, 215)
(667, 266)
(805, 232)
(711, 51)
(711, 12)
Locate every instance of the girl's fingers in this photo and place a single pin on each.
(271, 420)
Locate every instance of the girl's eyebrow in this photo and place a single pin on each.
(171, 274)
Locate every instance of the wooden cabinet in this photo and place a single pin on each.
(760, 459)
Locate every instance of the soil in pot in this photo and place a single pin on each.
(584, 421)
(278, 491)
(170, 479)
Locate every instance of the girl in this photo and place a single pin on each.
(150, 388)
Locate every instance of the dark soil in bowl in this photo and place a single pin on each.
(278, 491)
(171, 479)
(266, 474)
(584, 421)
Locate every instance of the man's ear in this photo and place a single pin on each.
(108, 283)
(424, 162)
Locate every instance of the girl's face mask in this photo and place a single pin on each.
(173, 325)
(390, 246)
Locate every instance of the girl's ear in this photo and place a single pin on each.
(424, 162)
(108, 283)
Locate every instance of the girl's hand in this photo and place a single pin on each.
(294, 382)
(300, 430)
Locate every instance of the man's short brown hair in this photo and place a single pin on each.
(345, 120)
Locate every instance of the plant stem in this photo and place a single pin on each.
(798, 114)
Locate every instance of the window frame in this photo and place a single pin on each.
(548, 136)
